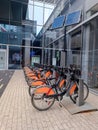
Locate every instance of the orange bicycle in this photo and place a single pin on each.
(43, 97)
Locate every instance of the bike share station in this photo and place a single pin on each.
(81, 105)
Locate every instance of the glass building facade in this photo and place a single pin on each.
(20, 24)
(55, 38)
(26, 32)
(81, 46)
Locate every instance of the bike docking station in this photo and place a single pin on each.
(81, 105)
(63, 21)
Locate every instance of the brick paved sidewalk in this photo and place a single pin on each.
(17, 113)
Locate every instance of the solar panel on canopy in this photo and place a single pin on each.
(58, 22)
(73, 18)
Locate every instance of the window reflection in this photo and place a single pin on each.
(23, 22)
(3, 34)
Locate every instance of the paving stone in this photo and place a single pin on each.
(17, 112)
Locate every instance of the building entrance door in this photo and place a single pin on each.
(14, 57)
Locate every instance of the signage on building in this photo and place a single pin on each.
(35, 59)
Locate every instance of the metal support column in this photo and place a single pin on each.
(80, 99)
(7, 57)
(64, 38)
(64, 46)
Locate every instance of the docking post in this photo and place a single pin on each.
(80, 99)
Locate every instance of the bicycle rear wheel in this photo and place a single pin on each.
(34, 85)
(39, 101)
(74, 96)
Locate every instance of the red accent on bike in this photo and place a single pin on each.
(48, 91)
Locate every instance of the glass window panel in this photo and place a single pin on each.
(29, 13)
(47, 14)
(3, 37)
(15, 57)
(29, 26)
(24, 11)
(15, 11)
(4, 27)
(3, 47)
(15, 37)
(12, 28)
(3, 34)
(38, 15)
(4, 10)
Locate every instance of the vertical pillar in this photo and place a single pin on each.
(7, 56)
(69, 52)
(80, 99)
(85, 52)
(62, 61)
(27, 52)
(43, 46)
(53, 56)
(42, 61)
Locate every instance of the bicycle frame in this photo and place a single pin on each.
(69, 90)
(67, 83)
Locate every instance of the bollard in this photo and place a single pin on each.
(80, 99)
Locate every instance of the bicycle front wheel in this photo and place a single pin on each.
(74, 96)
(39, 101)
(31, 90)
